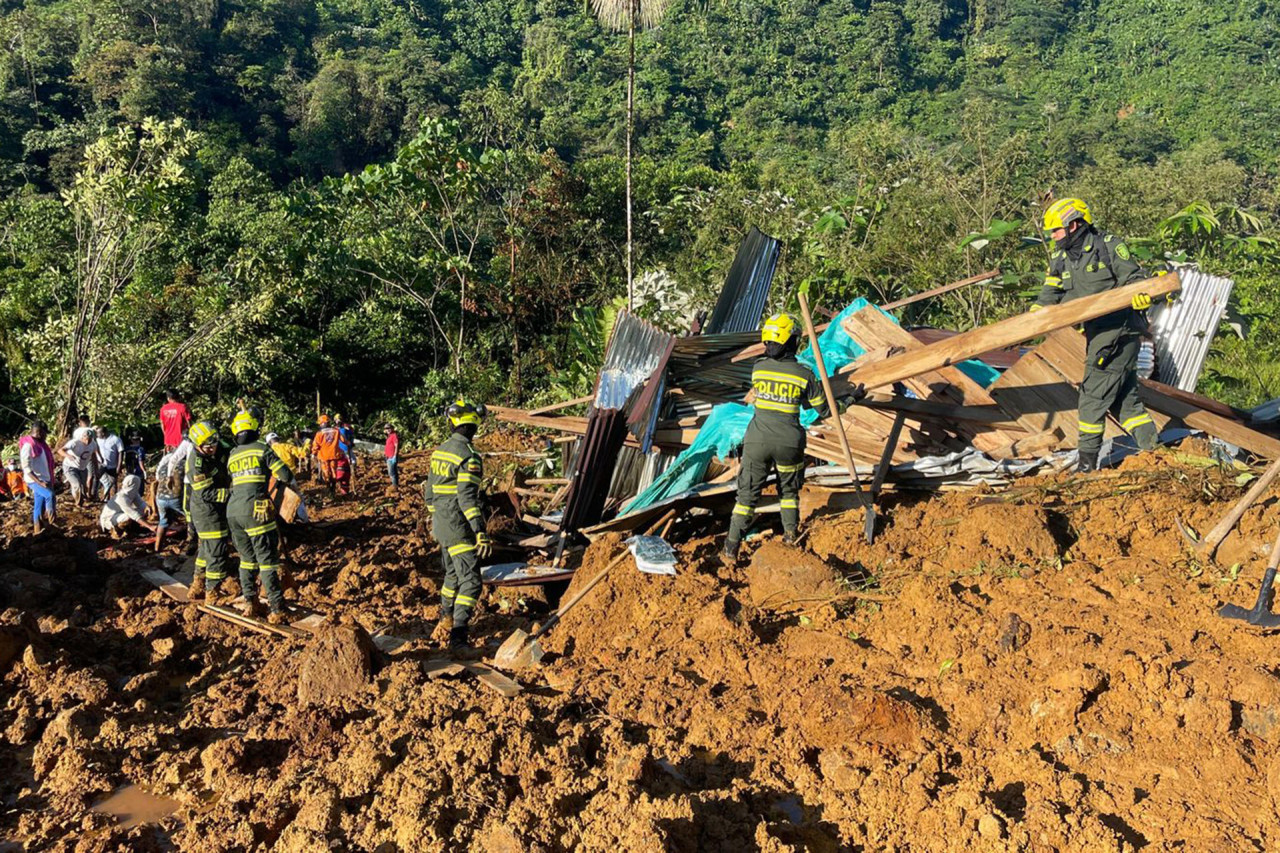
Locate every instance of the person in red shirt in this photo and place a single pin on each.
(175, 418)
(392, 452)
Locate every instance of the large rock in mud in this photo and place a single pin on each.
(336, 665)
(781, 576)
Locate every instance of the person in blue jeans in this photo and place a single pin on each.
(37, 471)
(392, 452)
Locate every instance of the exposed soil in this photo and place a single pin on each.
(1039, 669)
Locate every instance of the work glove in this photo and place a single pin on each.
(484, 547)
(261, 510)
(1140, 301)
(1036, 306)
(856, 394)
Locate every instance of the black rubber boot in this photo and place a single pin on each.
(1087, 463)
(458, 638)
(791, 537)
(729, 553)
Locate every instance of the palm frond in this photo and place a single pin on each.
(616, 14)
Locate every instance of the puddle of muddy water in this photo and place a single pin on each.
(132, 806)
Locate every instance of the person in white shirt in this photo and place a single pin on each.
(110, 449)
(78, 456)
(125, 507)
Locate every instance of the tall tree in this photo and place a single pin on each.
(619, 16)
(123, 202)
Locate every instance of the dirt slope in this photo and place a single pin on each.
(1038, 670)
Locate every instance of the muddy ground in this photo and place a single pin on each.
(1038, 669)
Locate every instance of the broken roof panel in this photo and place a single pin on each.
(1184, 330)
(746, 288)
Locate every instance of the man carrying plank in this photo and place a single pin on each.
(1087, 261)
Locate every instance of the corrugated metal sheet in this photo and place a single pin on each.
(1184, 331)
(746, 288)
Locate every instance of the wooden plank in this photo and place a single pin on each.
(1065, 351)
(287, 502)
(872, 329)
(565, 405)
(167, 584)
(493, 679)
(1039, 397)
(1234, 432)
(1008, 332)
(980, 278)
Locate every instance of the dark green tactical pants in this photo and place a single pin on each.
(1113, 389)
(258, 544)
(461, 588)
(213, 556)
(759, 460)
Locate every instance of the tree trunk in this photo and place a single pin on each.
(631, 95)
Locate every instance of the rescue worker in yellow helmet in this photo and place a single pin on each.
(207, 508)
(251, 514)
(452, 494)
(1086, 261)
(780, 387)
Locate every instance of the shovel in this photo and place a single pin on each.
(868, 503)
(1206, 548)
(522, 648)
(1261, 614)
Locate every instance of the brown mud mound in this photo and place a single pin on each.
(781, 576)
(336, 665)
(1038, 669)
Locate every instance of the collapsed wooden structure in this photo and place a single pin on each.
(917, 379)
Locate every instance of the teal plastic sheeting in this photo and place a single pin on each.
(725, 427)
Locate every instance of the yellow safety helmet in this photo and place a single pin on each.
(778, 329)
(1065, 211)
(244, 422)
(202, 433)
(463, 412)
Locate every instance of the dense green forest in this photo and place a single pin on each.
(382, 202)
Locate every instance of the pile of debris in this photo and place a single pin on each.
(945, 409)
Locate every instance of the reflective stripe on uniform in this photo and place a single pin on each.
(466, 601)
(261, 529)
(448, 592)
(213, 534)
(790, 503)
(815, 402)
(769, 405)
(789, 469)
(203, 484)
(444, 490)
(201, 562)
(471, 512)
(278, 466)
(447, 457)
(247, 478)
(1137, 421)
(461, 548)
(1090, 429)
(268, 567)
(1053, 281)
(779, 377)
(248, 567)
(464, 477)
(743, 509)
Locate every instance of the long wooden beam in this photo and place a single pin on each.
(980, 278)
(1006, 333)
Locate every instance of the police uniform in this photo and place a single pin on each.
(452, 494)
(207, 508)
(251, 517)
(775, 440)
(1110, 381)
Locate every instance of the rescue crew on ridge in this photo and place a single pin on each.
(251, 514)
(452, 494)
(775, 440)
(1086, 261)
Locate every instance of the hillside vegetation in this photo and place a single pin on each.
(381, 203)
